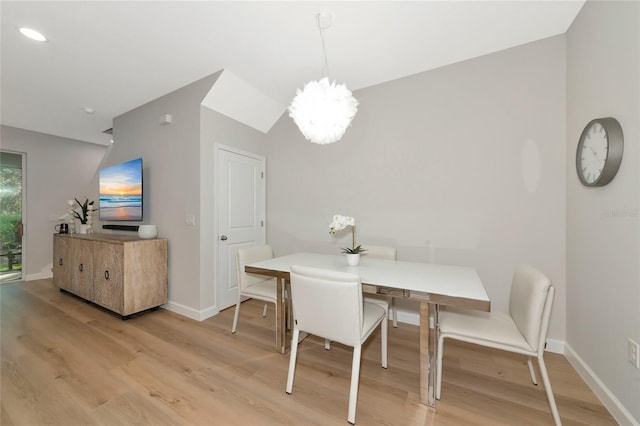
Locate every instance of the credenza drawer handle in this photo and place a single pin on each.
(81, 267)
(106, 275)
(60, 261)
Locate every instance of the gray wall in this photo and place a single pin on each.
(603, 238)
(58, 169)
(170, 155)
(462, 165)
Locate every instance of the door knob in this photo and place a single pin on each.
(223, 237)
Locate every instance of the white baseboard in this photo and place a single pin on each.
(555, 346)
(39, 276)
(188, 312)
(412, 318)
(608, 399)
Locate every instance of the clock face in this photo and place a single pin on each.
(593, 153)
(599, 151)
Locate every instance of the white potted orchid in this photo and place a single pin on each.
(339, 223)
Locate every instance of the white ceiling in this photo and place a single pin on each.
(114, 56)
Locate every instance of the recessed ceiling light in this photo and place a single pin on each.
(32, 34)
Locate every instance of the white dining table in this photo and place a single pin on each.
(432, 285)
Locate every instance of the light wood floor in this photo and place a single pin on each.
(67, 362)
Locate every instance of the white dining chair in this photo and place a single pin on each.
(254, 286)
(522, 330)
(389, 253)
(387, 302)
(329, 304)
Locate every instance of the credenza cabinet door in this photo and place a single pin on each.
(82, 272)
(62, 263)
(145, 274)
(108, 276)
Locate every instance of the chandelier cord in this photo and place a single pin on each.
(325, 70)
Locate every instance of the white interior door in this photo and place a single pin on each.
(241, 215)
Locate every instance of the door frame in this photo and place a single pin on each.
(217, 202)
(23, 212)
(25, 228)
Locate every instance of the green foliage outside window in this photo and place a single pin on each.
(10, 216)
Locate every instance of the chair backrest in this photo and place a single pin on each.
(530, 304)
(327, 303)
(247, 255)
(381, 252)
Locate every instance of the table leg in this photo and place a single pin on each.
(281, 327)
(428, 347)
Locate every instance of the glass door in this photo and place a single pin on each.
(11, 214)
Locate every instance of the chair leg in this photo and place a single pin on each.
(394, 312)
(532, 371)
(264, 311)
(439, 367)
(292, 359)
(289, 313)
(386, 311)
(384, 335)
(235, 316)
(547, 388)
(353, 391)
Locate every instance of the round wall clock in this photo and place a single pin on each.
(599, 151)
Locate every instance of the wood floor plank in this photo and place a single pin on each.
(68, 362)
(31, 396)
(132, 408)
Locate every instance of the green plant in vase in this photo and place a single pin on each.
(85, 212)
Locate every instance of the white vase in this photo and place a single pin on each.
(147, 231)
(353, 259)
(84, 228)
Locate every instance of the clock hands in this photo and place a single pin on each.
(595, 154)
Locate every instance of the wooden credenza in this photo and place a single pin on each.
(122, 273)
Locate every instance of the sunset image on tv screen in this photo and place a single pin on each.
(121, 191)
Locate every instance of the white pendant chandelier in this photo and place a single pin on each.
(323, 110)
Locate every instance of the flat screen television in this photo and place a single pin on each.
(121, 191)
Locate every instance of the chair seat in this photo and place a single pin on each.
(262, 290)
(383, 303)
(494, 329)
(372, 314)
(378, 301)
